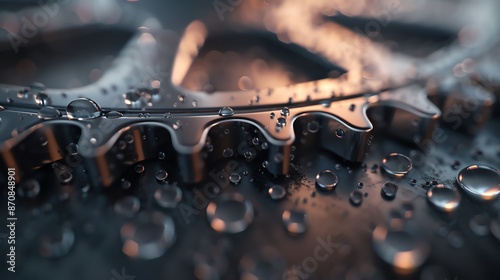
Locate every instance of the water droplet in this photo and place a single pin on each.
(247, 154)
(125, 184)
(281, 122)
(352, 107)
(235, 178)
(295, 221)
(230, 212)
(161, 175)
(29, 188)
(167, 115)
(479, 225)
(285, 111)
(265, 164)
(339, 133)
(389, 190)
(114, 115)
(2, 108)
(226, 112)
(399, 248)
(42, 99)
(47, 113)
(161, 155)
(168, 196)
(444, 199)
(127, 206)
(397, 164)
(326, 180)
(271, 115)
(83, 109)
(264, 145)
(139, 169)
(148, 236)
(360, 185)
(227, 152)
(57, 242)
(245, 83)
(313, 126)
(181, 97)
(194, 103)
(277, 192)
(480, 181)
(356, 197)
(255, 141)
(267, 263)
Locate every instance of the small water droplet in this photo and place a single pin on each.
(168, 196)
(127, 206)
(139, 169)
(148, 236)
(255, 141)
(313, 126)
(480, 182)
(285, 111)
(230, 212)
(272, 115)
(295, 221)
(29, 188)
(125, 184)
(41, 98)
(181, 97)
(399, 248)
(265, 164)
(339, 133)
(161, 155)
(277, 192)
(443, 198)
(356, 197)
(83, 109)
(235, 178)
(167, 115)
(389, 190)
(397, 164)
(227, 152)
(226, 112)
(2, 108)
(57, 242)
(47, 113)
(326, 180)
(360, 185)
(114, 115)
(281, 122)
(161, 175)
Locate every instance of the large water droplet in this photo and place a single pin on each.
(57, 242)
(127, 206)
(226, 112)
(230, 212)
(480, 181)
(295, 221)
(326, 180)
(444, 199)
(168, 196)
(148, 236)
(389, 190)
(399, 249)
(29, 188)
(397, 164)
(83, 109)
(277, 192)
(47, 113)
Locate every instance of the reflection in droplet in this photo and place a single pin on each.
(29, 188)
(83, 109)
(326, 180)
(127, 206)
(168, 196)
(235, 178)
(389, 190)
(47, 113)
(356, 197)
(230, 212)
(277, 192)
(399, 249)
(444, 199)
(41, 98)
(295, 221)
(397, 164)
(480, 181)
(226, 112)
(148, 236)
(285, 111)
